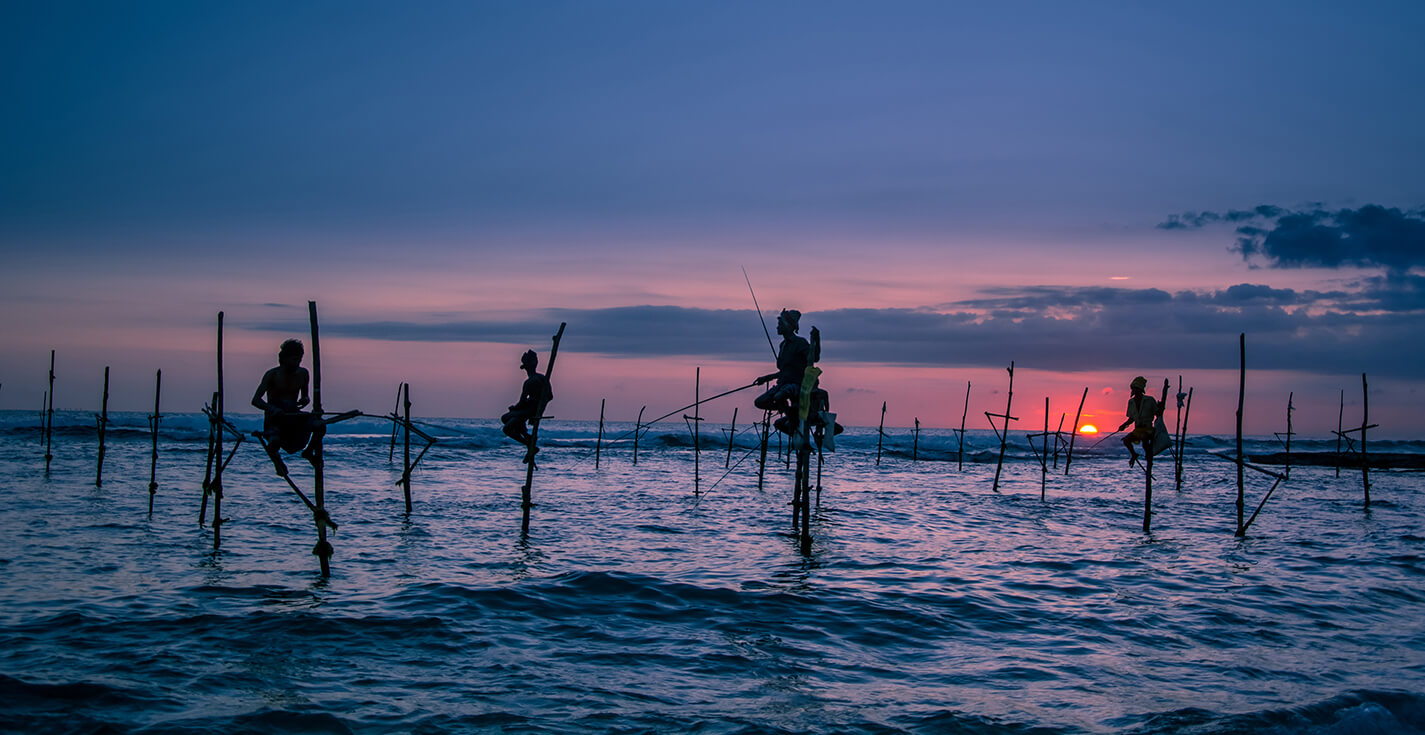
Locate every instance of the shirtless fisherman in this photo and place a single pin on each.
(280, 396)
(534, 395)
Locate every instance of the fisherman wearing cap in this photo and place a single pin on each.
(534, 396)
(1142, 409)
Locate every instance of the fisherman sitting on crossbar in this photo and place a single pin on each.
(281, 395)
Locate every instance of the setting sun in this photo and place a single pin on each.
(1088, 429)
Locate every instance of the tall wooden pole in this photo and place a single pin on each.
(153, 423)
(1004, 435)
(762, 461)
(880, 433)
(1058, 437)
(1044, 458)
(638, 429)
(1287, 470)
(915, 443)
(599, 441)
(960, 452)
(323, 549)
(1177, 438)
(1182, 439)
(527, 492)
(1365, 424)
(697, 430)
(49, 415)
(1241, 460)
(103, 427)
(406, 446)
(394, 427)
(1148, 447)
(208, 471)
(731, 435)
(1340, 416)
(215, 486)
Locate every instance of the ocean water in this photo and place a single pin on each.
(928, 603)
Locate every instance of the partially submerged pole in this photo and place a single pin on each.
(406, 445)
(1177, 438)
(395, 426)
(323, 549)
(1003, 435)
(638, 429)
(526, 492)
(1241, 396)
(208, 471)
(762, 461)
(215, 486)
(697, 429)
(1148, 447)
(1182, 439)
(1365, 424)
(49, 415)
(731, 435)
(880, 433)
(599, 441)
(1289, 432)
(103, 418)
(960, 452)
(153, 428)
(915, 443)
(1340, 416)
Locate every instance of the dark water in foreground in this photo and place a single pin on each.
(928, 603)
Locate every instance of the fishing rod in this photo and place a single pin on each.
(1104, 439)
(759, 312)
(644, 425)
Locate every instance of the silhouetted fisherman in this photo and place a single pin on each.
(1142, 409)
(794, 358)
(281, 395)
(535, 394)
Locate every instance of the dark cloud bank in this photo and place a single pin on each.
(1372, 236)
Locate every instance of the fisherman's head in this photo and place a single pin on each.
(788, 322)
(529, 360)
(1138, 385)
(289, 355)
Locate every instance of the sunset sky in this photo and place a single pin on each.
(1092, 190)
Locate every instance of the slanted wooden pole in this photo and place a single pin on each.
(103, 427)
(1182, 439)
(638, 429)
(323, 549)
(731, 435)
(208, 472)
(960, 452)
(1004, 435)
(1340, 416)
(1365, 424)
(915, 443)
(215, 486)
(1148, 446)
(527, 492)
(406, 446)
(49, 415)
(766, 435)
(153, 428)
(395, 427)
(880, 433)
(1058, 439)
(599, 440)
(1241, 460)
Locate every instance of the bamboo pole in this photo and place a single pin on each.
(1365, 424)
(880, 433)
(1148, 447)
(1241, 397)
(915, 443)
(527, 491)
(1340, 416)
(153, 424)
(395, 427)
(1182, 439)
(1004, 435)
(731, 435)
(1177, 438)
(804, 469)
(323, 549)
(215, 486)
(1058, 439)
(103, 428)
(599, 440)
(766, 435)
(406, 446)
(1289, 432)
(697, 430)
(638, 429)
(960, 452)
(208, 471)
(49, 415)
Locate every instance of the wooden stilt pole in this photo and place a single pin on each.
(395, 427)
(1182, 439)
(1004, 435)
(766, 435)
(1365, 424)
(638, 429)
(208, 472)
(599, 440)
(406, 446)
(1044, 458)
(1340, 416)
(915, 443)
(527, 492)
(1289, 432)
(1148, 465)
(153, 427)
(1074, 431)
(731, 438)
(49, 415)
(803, 499)
(103, 428)
(215, 486)
(323, 549)
(697, 430)
(1058, 438)
(1241, 460)
(960, 452)
(880, 433)
(1178, 438)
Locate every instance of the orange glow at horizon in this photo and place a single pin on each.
(1088, 429)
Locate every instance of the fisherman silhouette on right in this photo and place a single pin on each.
(280, 395)
(534, 395)
(1142, 409)
(794, 359)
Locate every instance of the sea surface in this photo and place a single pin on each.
(642, 600)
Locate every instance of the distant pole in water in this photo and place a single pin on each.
(103, 418)
(1340, 416)
(406, 445)
(1044, 460)
(638, 429)
(599, 441)
(960, 452)
(49, 415)
(1365, 424)
(1289, 432)
(215, 486)
(1182, 439)
(731, 434)
(762, 461)
(323, 549)
(395, 427)
(1178, 439)
(1058, 438)
(1148, 448)
(880, 433)
(915, 443)
(1003, 435)
(153, 428)
(1241, 397)
(527, 491)
(697, 429)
